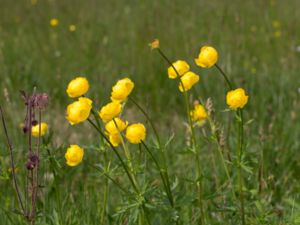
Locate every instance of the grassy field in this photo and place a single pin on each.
(259, 48)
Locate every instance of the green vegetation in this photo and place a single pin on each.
(259, 49)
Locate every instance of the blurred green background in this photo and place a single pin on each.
(258, 43)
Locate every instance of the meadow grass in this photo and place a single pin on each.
(111, 42)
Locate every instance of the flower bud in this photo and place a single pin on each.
(136, 133)
(236, 98)
(181, 67)
(208, 56)
(77, 87)
(74, 155)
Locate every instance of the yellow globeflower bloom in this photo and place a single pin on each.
(188, 80)
(154, 44)
(78, 87)
(79, 110)
(181, 67)
(35, 129)
(122, 89)
(136, 133)
(115, 139)
(111, 127)
(199, 113)
(208, 56)
(110, 111)
(54, 22)
(236, 98)
(74, 155)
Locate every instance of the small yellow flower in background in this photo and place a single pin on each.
(208, 57)
(122, 89)
(34, 2)
(154, 44)
(72, 28)
(236, 98)
(78, 87)
(181, 66)
(199, 113)
(79, 110)
(74, 155)
(277, 34)
(54, 22)
(111, 127)
(136, 133)
(276, 24)
(110, 111)
(35, 129)
(188, 80)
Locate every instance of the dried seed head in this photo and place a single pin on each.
(40, 100)
(209, 106)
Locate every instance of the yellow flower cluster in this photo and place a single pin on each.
(35, 130)
(180, 69)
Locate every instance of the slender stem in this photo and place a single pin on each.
(225, 76)
(160, 172)
(239, 158)
(165, 172)
(12, 161)
(194, 144)
(117, 154)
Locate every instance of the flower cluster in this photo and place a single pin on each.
(80, 110)
(181, 70)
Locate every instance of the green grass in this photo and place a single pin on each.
(111, 41)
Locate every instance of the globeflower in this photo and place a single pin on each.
(74, 155)
(35, 129)
(79, 110)
(111, 127)
(207, 57)
(110, 111)
(115, 139)
(199, 113)
(181, 67)
(188, 80)
(136, 133)
(78, 87)
(236, 98)
(54, 22)
(122, 89)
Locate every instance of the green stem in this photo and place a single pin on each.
(240, 141)
(165, 176)
(160, 173)
(225, 77)
(117, 154)
(194, 144)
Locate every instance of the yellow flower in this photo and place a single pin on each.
(110, 111)
(277, 34)
(72, 28)
(122, 89)
(181, 67)
(35, 129)
(236, 98)
(111, 127)
(74, 155)
(136, 133)
(208, 56)
(154, 44)
(79, 110)
(78, 87)
(199, 113)
(276, 24)
(115, 139)
(188, 80)
(54, 22)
